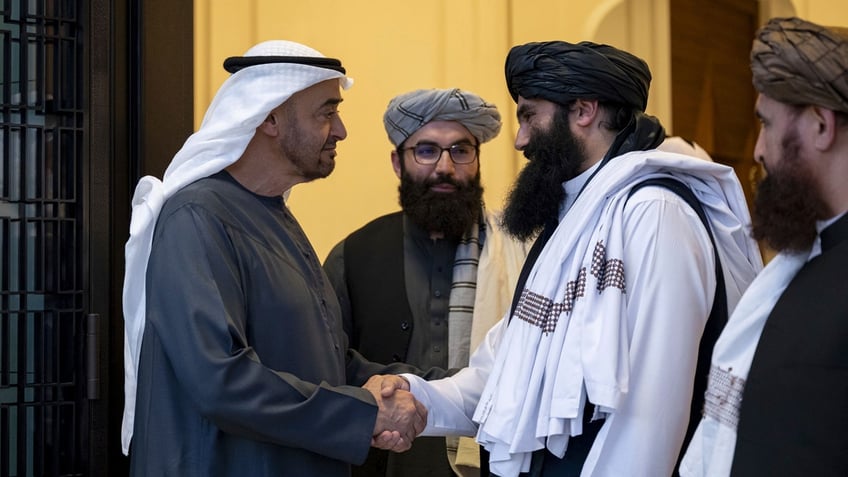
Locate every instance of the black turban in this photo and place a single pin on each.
(562, 72)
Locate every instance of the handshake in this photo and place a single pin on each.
(400, 417)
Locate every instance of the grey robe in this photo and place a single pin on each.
(242, 368)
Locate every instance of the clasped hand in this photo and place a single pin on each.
(400, 416)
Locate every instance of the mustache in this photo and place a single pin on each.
(443, 179)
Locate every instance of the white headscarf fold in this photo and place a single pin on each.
(239, 107)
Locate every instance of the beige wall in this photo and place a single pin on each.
(393, 46)
(824, 12)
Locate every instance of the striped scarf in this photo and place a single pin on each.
(463, 291)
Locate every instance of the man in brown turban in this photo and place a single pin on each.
(592, 370)
(776, 400)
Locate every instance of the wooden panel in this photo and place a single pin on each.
(712, 96)
(166, 81)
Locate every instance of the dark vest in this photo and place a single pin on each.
(374, 271)
(794, 413)
(375, 278)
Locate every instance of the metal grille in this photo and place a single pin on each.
(41, 238)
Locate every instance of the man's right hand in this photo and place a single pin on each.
(400, 416)
(388, 383)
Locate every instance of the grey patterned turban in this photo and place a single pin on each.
(798, 62)
(408, 112)
(562, 72)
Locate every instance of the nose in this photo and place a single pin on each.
(759, 153)
(337, 128)
(445, 165)
(521, 138)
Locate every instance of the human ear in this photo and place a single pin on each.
(396, 163)
(269, 124)
(587, 111)
(824, 125)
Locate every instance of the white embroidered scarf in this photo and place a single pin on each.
(710, 452)
(567, 340)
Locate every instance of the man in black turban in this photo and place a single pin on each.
(593, 369)
(555, 75)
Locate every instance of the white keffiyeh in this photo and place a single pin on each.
(710, 453)
(239, 107)
(567, 341)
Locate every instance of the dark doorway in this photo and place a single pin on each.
(78, 110)
(712, 96)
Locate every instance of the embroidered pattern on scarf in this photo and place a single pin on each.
(724, 396)
(543, 312)
(609, 272)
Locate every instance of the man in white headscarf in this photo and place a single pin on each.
(235, 354)
(423, 285)
(778, 386)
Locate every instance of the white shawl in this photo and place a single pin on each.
(239, 107)
(710, 453)
(567, 341)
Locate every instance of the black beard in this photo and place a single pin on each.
(452, 214)
(787, 203)
(555, 156)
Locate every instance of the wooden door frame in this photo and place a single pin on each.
(140, 85)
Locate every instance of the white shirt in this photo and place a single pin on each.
(671, 279)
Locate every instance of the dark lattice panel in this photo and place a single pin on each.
(41, 238)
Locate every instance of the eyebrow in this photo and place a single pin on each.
(433, 142)
(522, 110)
(332, 102)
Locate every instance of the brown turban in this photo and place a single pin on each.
(562, 72)
(798, 62)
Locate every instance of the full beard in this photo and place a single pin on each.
(452, 214)
(787, 203)
(555, 156)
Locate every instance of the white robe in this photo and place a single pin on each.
(670, 282)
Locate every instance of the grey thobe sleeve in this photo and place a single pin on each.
(197, 311)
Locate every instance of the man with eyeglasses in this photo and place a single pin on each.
(417, 284)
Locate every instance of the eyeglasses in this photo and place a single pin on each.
(428, 154)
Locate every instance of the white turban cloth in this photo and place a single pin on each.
(241, 104)
(408, 112)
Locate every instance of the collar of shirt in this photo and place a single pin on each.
(573, 186)
(821, 225)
